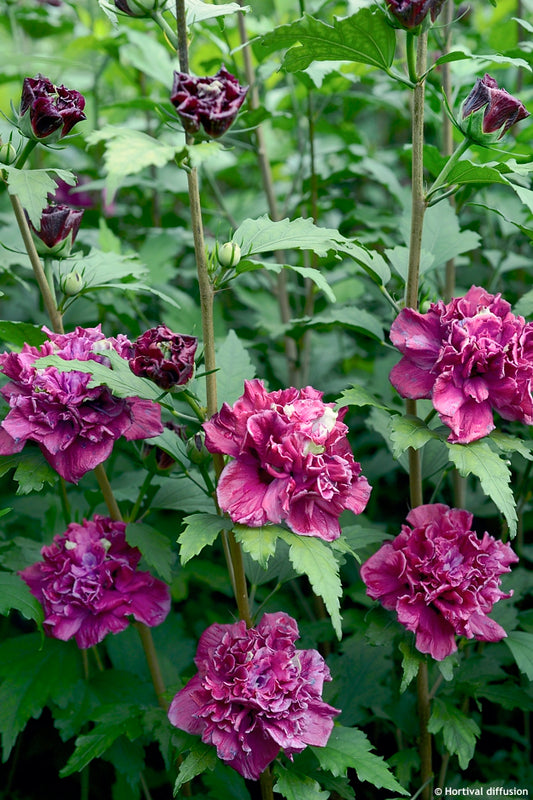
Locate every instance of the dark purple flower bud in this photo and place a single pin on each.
(211, 102)
(136, 8)
(498, 111)
(411, 13)
(49, 112)
(167, 358)
(58, 230)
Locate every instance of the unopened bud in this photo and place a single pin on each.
(7, 153)
(229, 254)
(72, 284)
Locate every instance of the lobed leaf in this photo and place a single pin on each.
(294, 786)
(366, 38)
(32, 187)
(15, 594)
(459, 731)
(200, 758)
(201, 530)
(349, 747)
(479, 459)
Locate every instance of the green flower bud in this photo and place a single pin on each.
(72, 283)
(7, 153)
(229, 254)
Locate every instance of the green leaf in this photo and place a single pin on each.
(366, 38)
(16, 334)
(14, 593)
(128, 152)
(32, 470)
(33, 673)
(512, 444)
(200, 758)
(32, 187)
(520, 644)
(172, 444)
(154, 546)
(467, 172)
(352, 317)
(463, 53)
(234, 367)
(313, 558)
(409, 431)
(349, 747)
(478, 458)
(259, 543)
(410, 663)
(442, 236)
(120, 719)
(200, 531)
(314, 275)
(119, 378)
(294, 786)
(263, 235)
(459, 730)
(198, 11)
(359, 396)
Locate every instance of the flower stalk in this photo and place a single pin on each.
(418, 208)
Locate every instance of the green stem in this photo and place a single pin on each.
(147, 641)
(107, 492)
(165, 27)
(38, 270)
(410, 51)
(28, 148)
(424, 744)
(140, 497)
(450, 164)
(418, 208)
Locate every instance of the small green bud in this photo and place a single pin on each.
(7, 153)
(229, 254)
(72, 284)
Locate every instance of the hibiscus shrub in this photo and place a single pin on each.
(266, 377)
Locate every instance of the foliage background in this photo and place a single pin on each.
(135, 246)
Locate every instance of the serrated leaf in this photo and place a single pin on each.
(172, 444)
(359, 396)
(154, 546)
(201, 757)
(33, 673)
(409, 431)
(410, 664)
(366, 38)
(32, 187)
(200, 531)
(128, 152)
(349, 747)
(312, 274)
(120, 379)
(294, 786)
(442, 235)
(512, 444)
(313, 558)
(459, 730)
(32, 470)
(263, 235)
(467, 172)
(350, 317)
(17, 334)
(234, 367)
(14, 593)
(520, 643)
(259, 543)
(463, 53)
(478, 458)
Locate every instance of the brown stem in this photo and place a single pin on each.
(37, 266)
(147, 641)
(424, 744)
